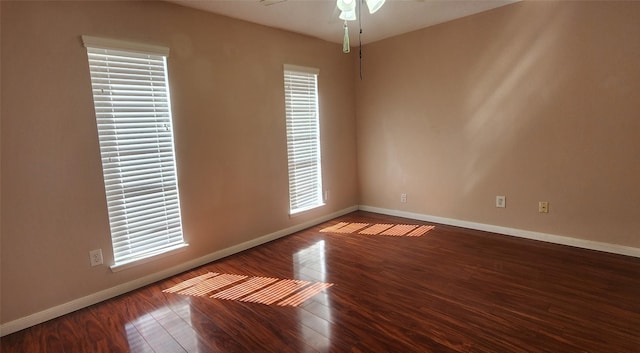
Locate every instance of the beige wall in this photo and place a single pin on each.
(228, 104)
(538, 101)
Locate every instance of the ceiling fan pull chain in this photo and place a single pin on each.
(360, 36)
(345, 42)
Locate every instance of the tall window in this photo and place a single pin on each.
(133, 115)
(303, 138)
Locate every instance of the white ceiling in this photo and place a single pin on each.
(319, 18)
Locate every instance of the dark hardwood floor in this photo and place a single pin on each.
(449, 290)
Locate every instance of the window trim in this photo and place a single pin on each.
(117, 44)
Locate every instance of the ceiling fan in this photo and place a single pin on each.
(347, 9)
(348, 13)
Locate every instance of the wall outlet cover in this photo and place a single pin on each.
(95, 257)
(543, 207)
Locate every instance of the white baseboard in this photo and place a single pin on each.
(550, 238)
(76, 304)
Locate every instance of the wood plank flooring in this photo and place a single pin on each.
(449, 290)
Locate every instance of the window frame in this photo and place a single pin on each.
(137, 148)
(297, 196)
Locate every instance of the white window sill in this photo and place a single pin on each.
(149, 257)
(305, 210)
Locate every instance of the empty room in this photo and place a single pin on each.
(320, 176)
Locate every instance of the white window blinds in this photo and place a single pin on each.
(303, 138)
(133, 114)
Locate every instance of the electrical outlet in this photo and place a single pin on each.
(403, 198)
(501, 201)
(95, 257)
(543, 207)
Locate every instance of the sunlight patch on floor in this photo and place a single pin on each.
(262, 290)
(394, 230)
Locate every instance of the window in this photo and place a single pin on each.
(133, 115)
(303, 138)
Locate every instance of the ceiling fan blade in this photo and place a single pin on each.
(335, 16)
(270, 2)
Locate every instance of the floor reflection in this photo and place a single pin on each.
(166, 329)
(314, 317)
(175, 328)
